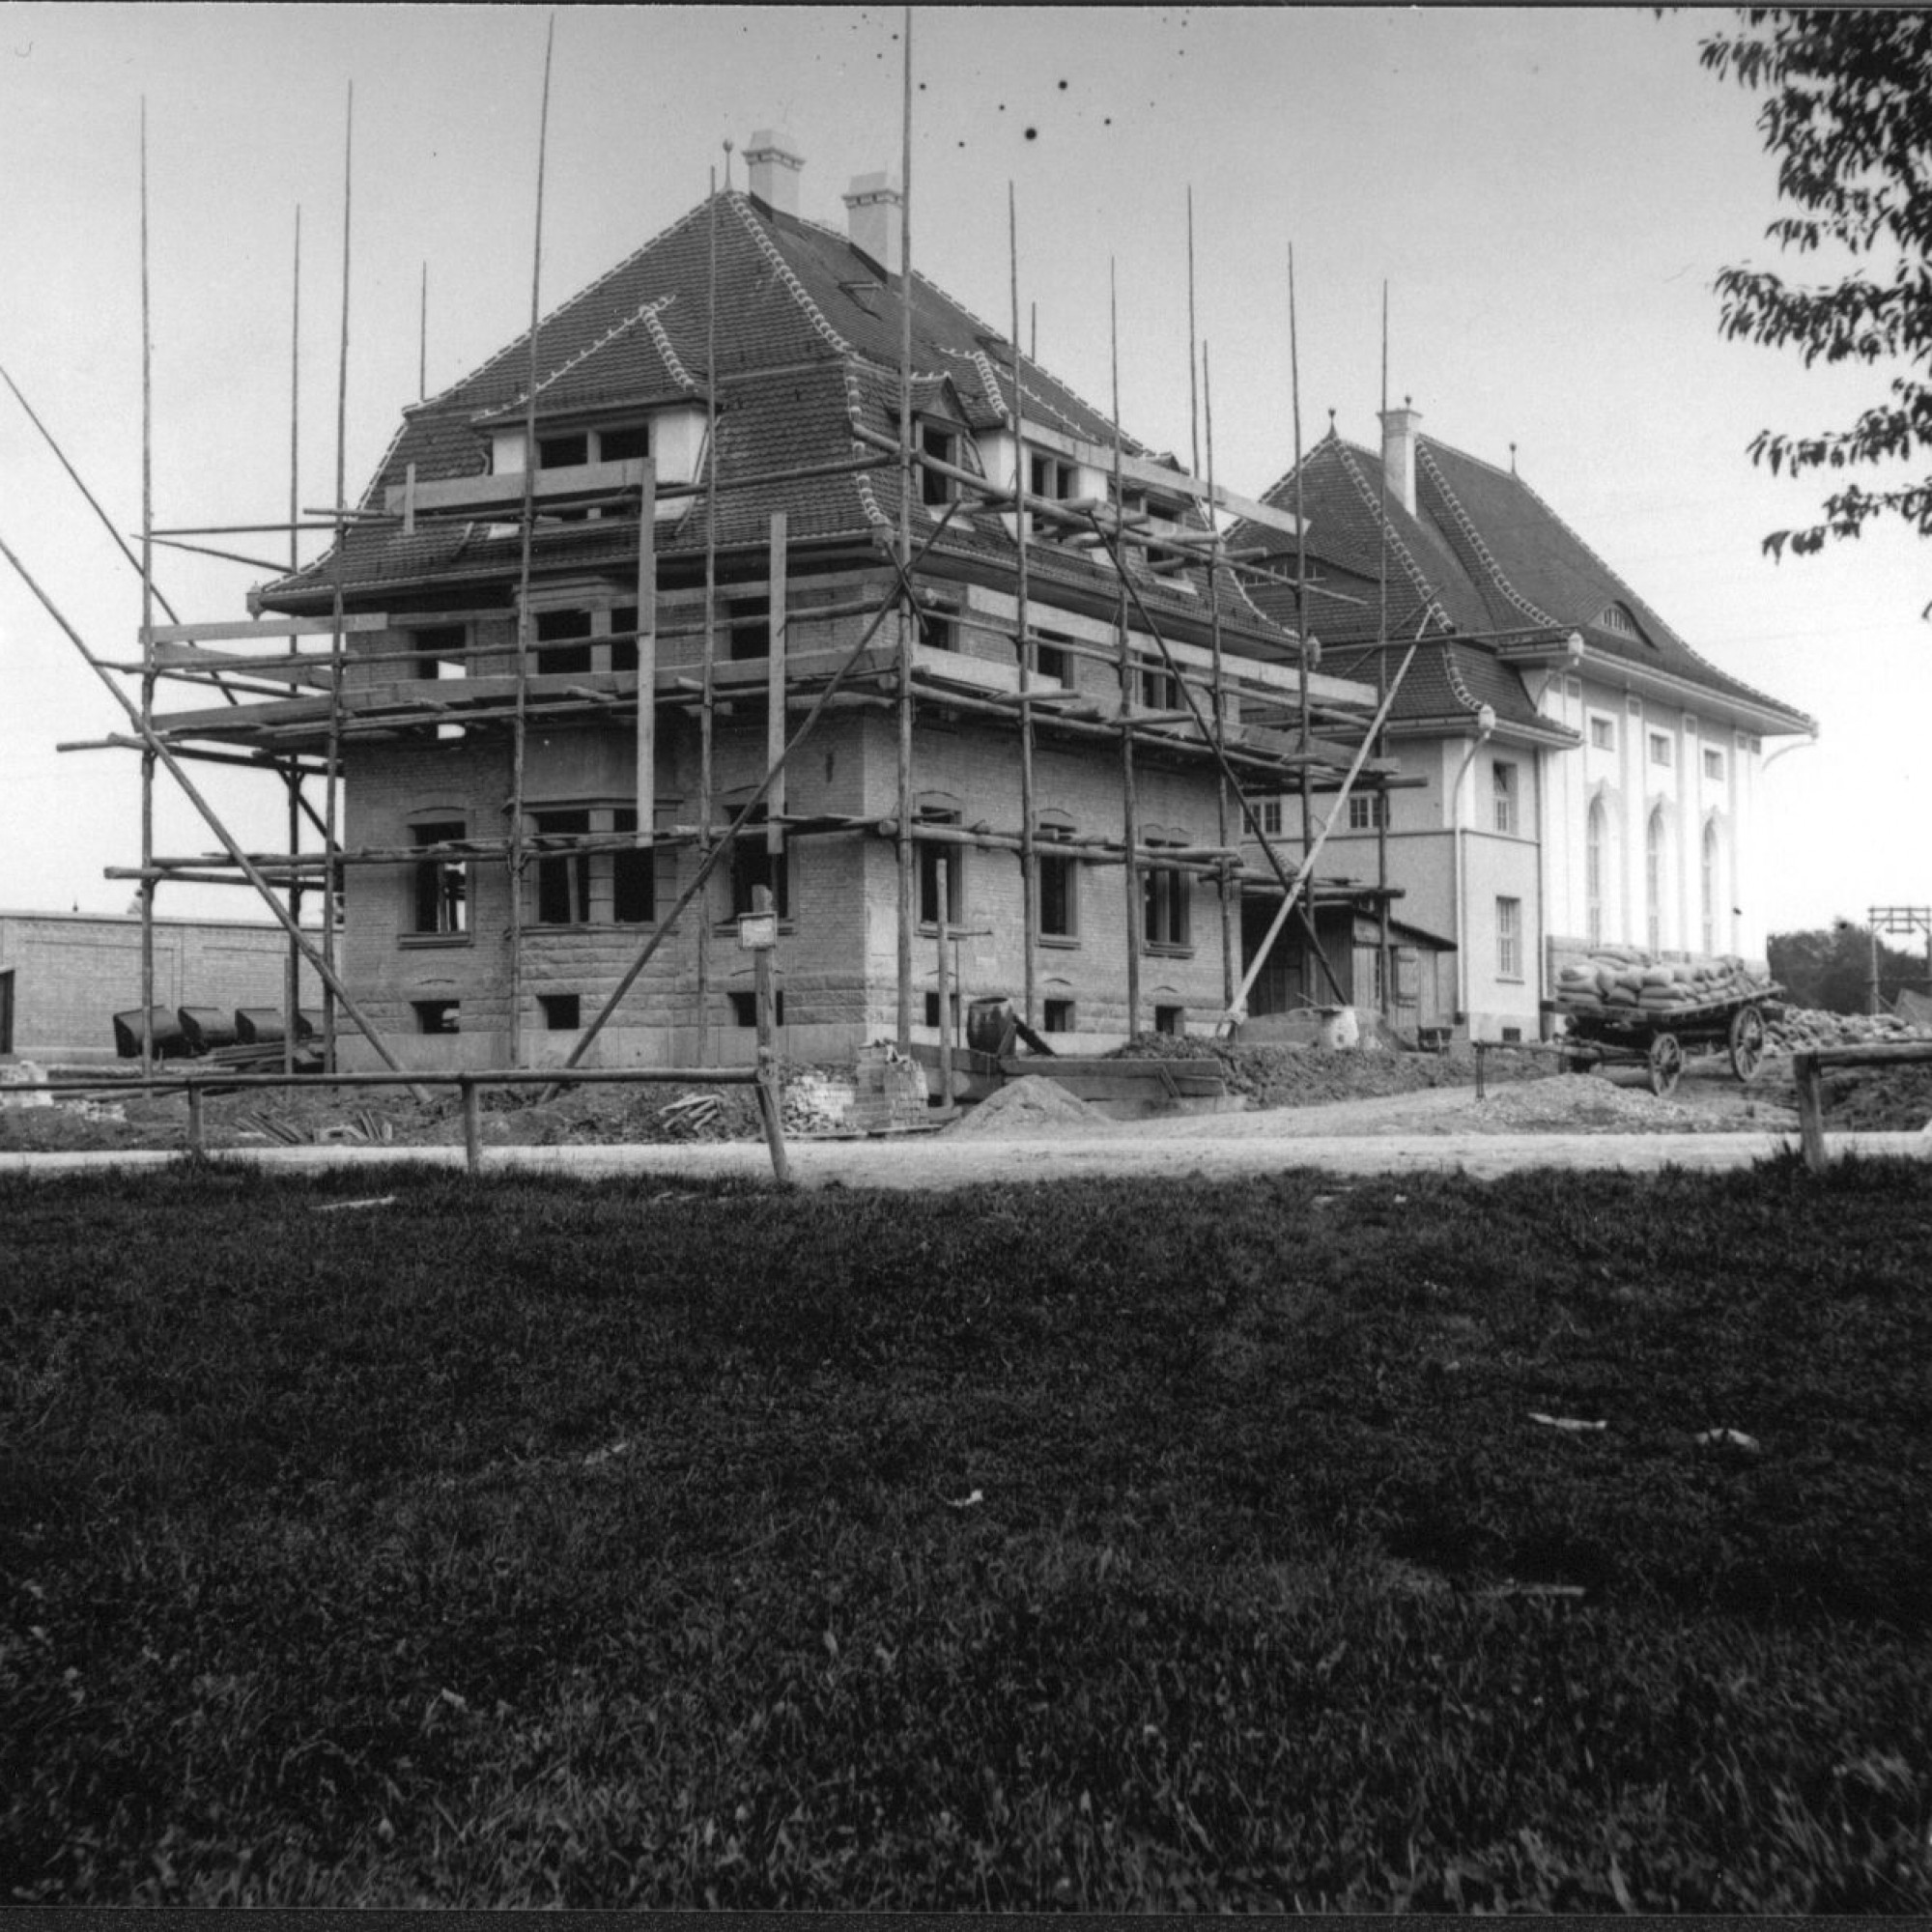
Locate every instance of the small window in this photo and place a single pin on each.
(1504, 781)
(1512, 1036)
(751, 627)
(1603, 732)
(563, 452)
(1267, 814)
(1048, 476)
(745, 1008)
(1509, 939)
(441, 885)
(1159, 688)
(1714, 764)
(1365, 811)
(932, 1011)
(753, 867)
(561, 1012)
(624, 636)
(438, 1015)
(563, 642)
(625, 444)
(1659, 748)
(1057, 1016)
(935, 489)
(1051, 658)
(938, 632)
(1170, 1019)
(1059, 885)
(634, 875)
(564, 878)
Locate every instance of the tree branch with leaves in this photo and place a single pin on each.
(1848, 111)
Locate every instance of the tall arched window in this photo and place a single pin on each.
(1653, 881)
(1709, 885)
(1596, 838)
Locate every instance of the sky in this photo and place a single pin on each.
(1547, 195)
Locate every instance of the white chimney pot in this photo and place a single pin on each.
(1399, 454)
(772, 160)
(873, 222)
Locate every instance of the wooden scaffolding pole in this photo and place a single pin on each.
(519, 719)
(908, 910)
(646, 641)
(1129, 794)
(331, 879)
(147, 620)
(1382, 685)
(1229, 898)
(775, 688)
(707, 716)
(1028, 652)
(291, 972)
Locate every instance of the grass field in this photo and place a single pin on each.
(1186, 1547)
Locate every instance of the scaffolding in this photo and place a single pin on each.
(301, 691)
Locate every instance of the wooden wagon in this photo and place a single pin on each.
(1661, 1039)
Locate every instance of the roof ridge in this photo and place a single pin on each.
(640, 314)
(1473, 537)
(1421, 583)
(660, 335)
(788, 275)
(990, 376)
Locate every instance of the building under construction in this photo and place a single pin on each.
(761, 562)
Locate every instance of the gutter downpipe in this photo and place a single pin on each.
(1486, 724)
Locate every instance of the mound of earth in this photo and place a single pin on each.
(1033, 1104)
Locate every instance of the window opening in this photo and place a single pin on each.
(624, 445)
(561, 1012)
(932, 858)
(624, 649)
(564, 878)
(1502, 776)
(633, 875)
(1164, 904)
(1051, 658)
(438, 1015)
(1509, 939)
(750, 620)
(1268, 813)
(932, 1011)
(440, 650)
(1714, 765)
(1659, 748)
(1365, 811)
(1057, 1016)
(1170, 1019)
(442, 884)
(1603, 732)
(745, 1008)
(943, 445)
(753, 867)
(563, 642)
(1059, 885)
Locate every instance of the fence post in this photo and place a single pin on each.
(771, 1103)
(472, 1122)
(197, 1127)
(1480, 1046)
(1810, 1085)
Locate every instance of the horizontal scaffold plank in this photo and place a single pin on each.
(504, 490)
(253, 629)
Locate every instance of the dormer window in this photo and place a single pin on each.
(571, 449)
(1617, 619)
(941, 443)
(1050, 476)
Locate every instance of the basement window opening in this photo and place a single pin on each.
(438, 1015)
(562, 1012)
(1170, 1019)
(745, 1009)
(633, 875)
(951, 1007)
(1057, 1016)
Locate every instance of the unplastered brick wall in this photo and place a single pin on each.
(73, 972)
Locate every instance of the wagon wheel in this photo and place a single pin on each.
(1667, 1063)
(1747, 1042)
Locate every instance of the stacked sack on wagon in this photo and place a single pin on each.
(1626, 981)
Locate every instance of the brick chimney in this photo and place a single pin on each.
(872, 205)
(1399, 453)
(773, 162)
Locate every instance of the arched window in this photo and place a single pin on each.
(1596, 861)
(1709, 885)
(1653, 881)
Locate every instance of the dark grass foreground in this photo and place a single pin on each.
(1102, 1545)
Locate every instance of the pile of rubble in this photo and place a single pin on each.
(1802, 1028)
